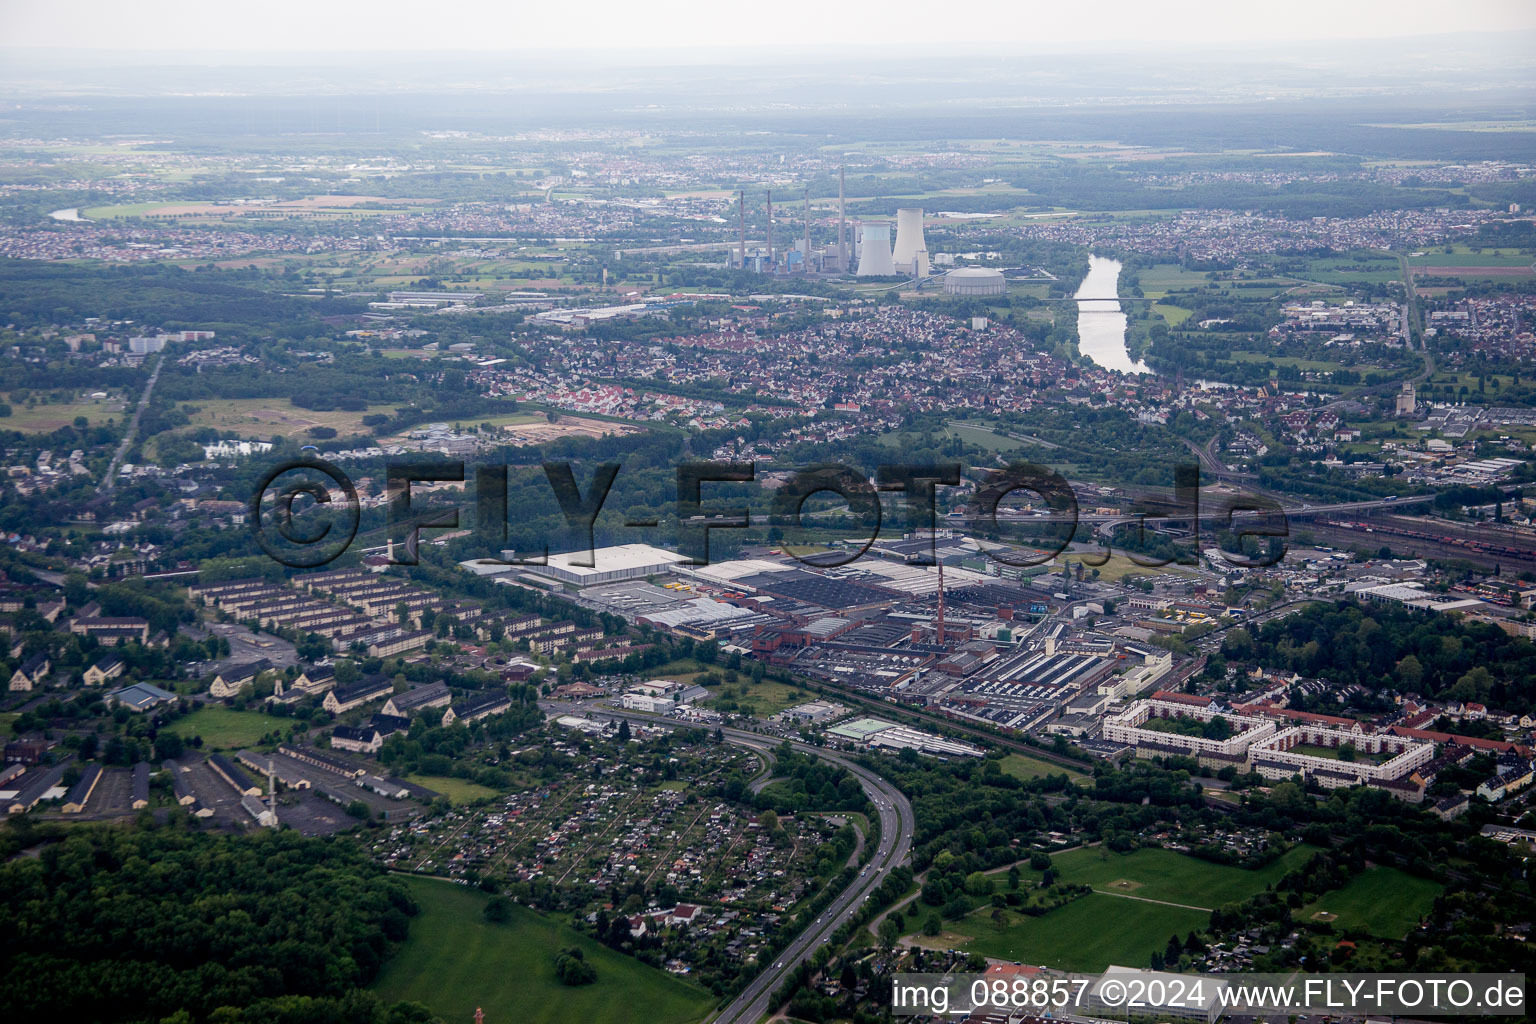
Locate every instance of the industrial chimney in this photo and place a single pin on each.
(875, 258)
(805, 255)
(909, 239)
(842, 223)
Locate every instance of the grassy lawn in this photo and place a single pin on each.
(1022, 766)
(225, 729)
(1117, 568)
(762, 699)
(1085, 935)
(1383, 901)
(46, 418)
(982, 436)
(458, 791)
(455, 961)
(1174, 315)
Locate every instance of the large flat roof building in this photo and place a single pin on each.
(620, 562)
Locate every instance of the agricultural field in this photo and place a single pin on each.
(454, 961)
(1157, 281)
(1382, 901)
(310, 207)
(1461, 256)
(226, 729)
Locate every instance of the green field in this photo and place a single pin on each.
(1156, 874)
(225, 729)
(761, 699)
(458, 791)
(1022, 766)
(48, 417)
(1385, 902)
(1174, 315)
(1088, 934)
(454, 961)
(264, 417)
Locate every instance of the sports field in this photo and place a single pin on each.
(226, 729)
(1139, 900)
(455, 961)
(1155, 874)
(1087, 934)
(1383, 901)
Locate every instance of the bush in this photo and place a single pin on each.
(572, 968)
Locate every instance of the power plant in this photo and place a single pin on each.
(911, 254)
(865, 245)
(875, 249)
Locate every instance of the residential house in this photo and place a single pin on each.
(32, 673)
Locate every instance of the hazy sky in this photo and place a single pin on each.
(650, 25)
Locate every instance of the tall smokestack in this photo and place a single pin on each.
(741, 208)
(842, 221)
(805, 265)
(941, 602)
(770, 227)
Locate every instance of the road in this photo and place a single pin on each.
(894, 850)
(109, 484)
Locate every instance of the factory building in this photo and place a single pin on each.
(609, 565)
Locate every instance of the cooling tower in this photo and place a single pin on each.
(909, 238)
(875, 252)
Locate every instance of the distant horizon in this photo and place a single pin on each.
(684, 26)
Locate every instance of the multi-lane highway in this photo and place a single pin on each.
(894, 850)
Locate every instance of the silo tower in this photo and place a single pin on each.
(909, 239)
(875, 250)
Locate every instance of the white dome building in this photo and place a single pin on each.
(974, 281)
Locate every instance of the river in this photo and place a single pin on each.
(1101, 325)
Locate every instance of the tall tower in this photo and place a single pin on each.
(875, 255)
(805, 256)
(909, 240)
(741, 210)
(770, 227)
(940, 630)
(842, 221)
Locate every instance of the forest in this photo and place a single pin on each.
(165, 924)
(1440, 656)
